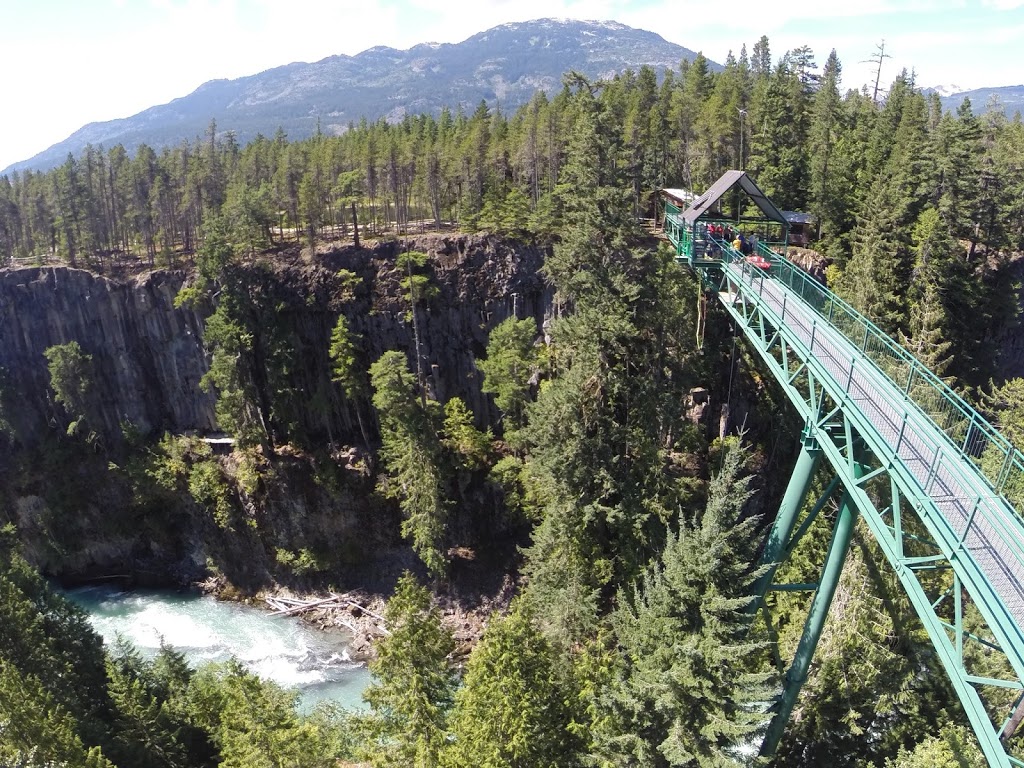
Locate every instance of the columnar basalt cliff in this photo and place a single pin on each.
(147, 362)
(148, 356)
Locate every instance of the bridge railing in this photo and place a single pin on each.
(969, 508)
(971, 434)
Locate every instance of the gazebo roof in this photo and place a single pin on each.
(728, 180)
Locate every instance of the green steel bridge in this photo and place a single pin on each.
(936, 484)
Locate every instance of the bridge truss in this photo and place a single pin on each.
(934, 482)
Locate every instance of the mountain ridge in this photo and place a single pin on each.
(1010, 98)
(503, 66)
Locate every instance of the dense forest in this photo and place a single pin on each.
(629, 642)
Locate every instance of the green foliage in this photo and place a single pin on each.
(217, 252)
(71, 376)
(953, 748)
(509, 474)
(253, 356)
(413, 686)
(1006, 408)
(146, 733)
(212, 259)
(252, 722)
(172, 457)
(209, 487)
(52, 673)
(598, 433)
(411, 451)
(417, 286)
(511, 362)
(228, 377)
(509, 215)
(511, 709)
(344, 354)
(937, 270)
(469, 444)
(348, 283)
(690, 692)
(302, 563)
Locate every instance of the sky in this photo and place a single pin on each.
(66, 63)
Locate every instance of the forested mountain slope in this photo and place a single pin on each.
(504, 67)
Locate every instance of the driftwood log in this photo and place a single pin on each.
(290, 606)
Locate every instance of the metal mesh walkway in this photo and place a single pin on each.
(978, 529)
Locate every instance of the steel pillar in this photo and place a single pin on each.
(789, 511)
(797, 674)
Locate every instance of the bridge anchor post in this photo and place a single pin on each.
(789, 510)
(842, 533)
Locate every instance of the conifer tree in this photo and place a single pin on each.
(511, 361)
(689, 693)
(411, 451)
(938, 277)
(413, 685)
(71, 377)
(593, 442)
(512, 710)
(345, 370)
(825, 133)
(53, 682)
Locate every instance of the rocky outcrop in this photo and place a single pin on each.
(481, 281)
(148, 359)
(147, 355)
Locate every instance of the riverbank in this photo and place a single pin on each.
(361, 614)
(481, 583)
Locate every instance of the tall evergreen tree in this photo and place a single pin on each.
(510, 363)
(413, 686)
(412, 454)
(826, 129)
(512, 710)
(690, 692)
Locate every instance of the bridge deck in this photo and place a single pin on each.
(980, 527)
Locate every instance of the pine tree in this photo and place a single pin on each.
(413, 685)
(825, 132)
(689, 694)
(511, 710)
(345, 370)
(412, 453)
(71, 377)
(53, 681)
(954, 747)
(878, 276)
(510, 363)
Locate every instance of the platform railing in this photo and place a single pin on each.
(969, 508)
(974, 437)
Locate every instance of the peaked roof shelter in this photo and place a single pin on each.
(726, 182)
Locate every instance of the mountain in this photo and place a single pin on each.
(1011, 98)
(504, 66)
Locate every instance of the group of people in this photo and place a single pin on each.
(739, 241)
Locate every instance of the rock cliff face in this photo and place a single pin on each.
(148, 357)
(481, 280)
